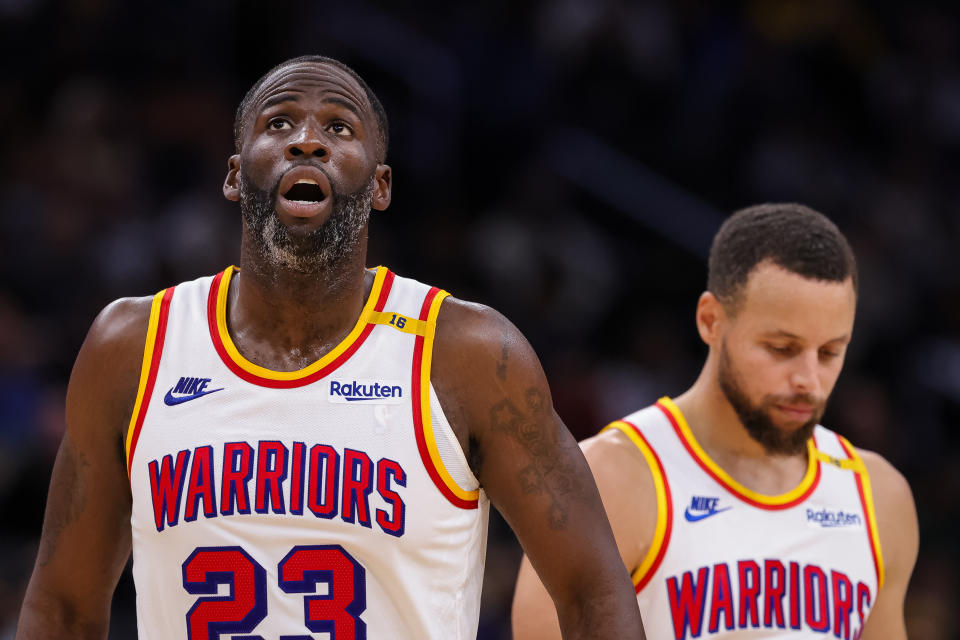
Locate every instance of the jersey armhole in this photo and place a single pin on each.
(661, 537)
(866, 500)
(422, 420)
(152, 351)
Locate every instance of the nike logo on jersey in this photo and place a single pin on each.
(188, 389)
(702, 507)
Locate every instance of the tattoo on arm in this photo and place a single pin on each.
(546, 473)
(73, 496)
(502, 365)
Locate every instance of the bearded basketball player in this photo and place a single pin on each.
(305, 445)
(737, 514)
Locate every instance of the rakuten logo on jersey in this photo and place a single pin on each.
(366, 391)
(832, 518)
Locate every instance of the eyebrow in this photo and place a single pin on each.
(780, 333)
(346, 104)
(279, 99)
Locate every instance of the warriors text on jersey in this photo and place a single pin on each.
(277, 505)
(726, 562)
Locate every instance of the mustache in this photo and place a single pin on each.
(796, 399)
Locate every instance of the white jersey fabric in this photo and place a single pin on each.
(330, 502)
(730, 563)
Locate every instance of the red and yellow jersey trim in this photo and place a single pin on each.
(661, 537)
(784, 501)
(255, 374)
(422, 424)
(866, 500)
(152, 351)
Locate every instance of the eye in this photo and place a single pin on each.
(276, 124)
(780, 350)
(340, 129)
(828, 354)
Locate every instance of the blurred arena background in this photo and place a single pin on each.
(566, 162)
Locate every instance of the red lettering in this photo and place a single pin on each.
(686, 602)
(201, 485)
(237, 469)
(794, 595)
(270, 480)
(721, 598)
(749, 573)
(357, 485)
(842, 603)
(863, 604)
(324, 473)
(775, 585)
(387, 471)
(166, 487)
(296, 478)
(817, 609)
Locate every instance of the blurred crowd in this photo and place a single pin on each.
(564, 161)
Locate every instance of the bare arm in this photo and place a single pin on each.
(86, 529)
(626, 487)
(899, 543)
(497, 400)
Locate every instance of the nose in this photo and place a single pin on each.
(804, 378)
(307, 142)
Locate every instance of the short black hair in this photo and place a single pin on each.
(383, 129)
(789, 235)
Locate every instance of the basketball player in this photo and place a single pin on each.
(303, 445)
(736, 513)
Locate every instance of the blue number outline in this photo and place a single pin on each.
(215, 578)
(309, 584)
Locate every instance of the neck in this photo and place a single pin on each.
(718, 429)
(284, 319)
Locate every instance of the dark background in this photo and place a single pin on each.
(566, 162)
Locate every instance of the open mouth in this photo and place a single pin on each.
(305, 190)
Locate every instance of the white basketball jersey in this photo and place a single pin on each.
(330, 502)
(727, 562)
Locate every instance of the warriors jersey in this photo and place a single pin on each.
(727, 562)
(329, 502)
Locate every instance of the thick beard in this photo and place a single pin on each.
(316, 251)
(756, 419)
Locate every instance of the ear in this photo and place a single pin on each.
(711, 317)
(231, 185)
(383, 189)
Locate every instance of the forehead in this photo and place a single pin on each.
(311, 77)
(775, 299)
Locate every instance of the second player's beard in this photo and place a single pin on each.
(316, 251)
(756, 418)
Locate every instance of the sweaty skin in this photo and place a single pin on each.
(488, 380)
(819, 316)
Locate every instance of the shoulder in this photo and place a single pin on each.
(107, 370)
(615, 454)
(120, 324)
(895, 511)
(890, 488)
(464, 325)
(621, 471)
(484, 371)
(480, 345)
(628, 491)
